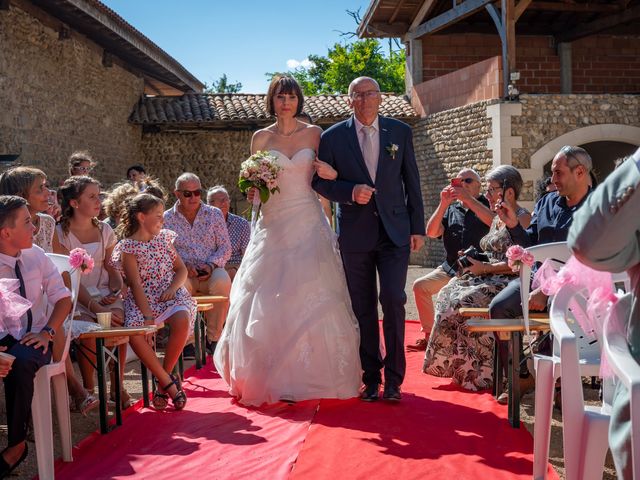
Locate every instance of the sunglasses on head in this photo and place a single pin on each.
(188, 193)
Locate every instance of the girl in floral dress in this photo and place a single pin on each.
(452, 351)
(155, 275)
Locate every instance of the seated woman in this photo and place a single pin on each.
(452, 351)
(100, 289)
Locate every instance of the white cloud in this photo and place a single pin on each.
(293, 63)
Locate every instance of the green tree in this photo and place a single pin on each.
(223, 86)
(346, 61)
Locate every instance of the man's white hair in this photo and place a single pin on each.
(472, 172)
(186, 177)
(354, 82)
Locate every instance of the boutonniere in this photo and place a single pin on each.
(392, 149)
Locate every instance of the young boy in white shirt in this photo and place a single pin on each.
(40, 283)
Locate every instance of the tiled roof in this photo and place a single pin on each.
(227, 108)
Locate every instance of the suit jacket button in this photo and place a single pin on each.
(619, 203)
(630, 190)
(375, 213)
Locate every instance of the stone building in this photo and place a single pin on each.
(575, 66)
(70, 74)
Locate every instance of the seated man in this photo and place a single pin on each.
(30, 339)
(552, 217)
(203, 244)
(239, 229)
(461, 220)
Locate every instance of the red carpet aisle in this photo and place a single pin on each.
(436, 432)
(212, 438)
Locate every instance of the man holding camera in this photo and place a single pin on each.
(462, 218)
(204, 246)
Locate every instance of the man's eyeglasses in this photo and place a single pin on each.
(363, 95)
(189, 193)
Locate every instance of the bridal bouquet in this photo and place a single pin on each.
(80, 259)
(259, 171)
(516, 256)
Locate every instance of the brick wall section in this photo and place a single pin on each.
(480, 81)
(56, 97)
(601, 63)
(546, 117)
(444, 143)
(606, 64)
(213, 155)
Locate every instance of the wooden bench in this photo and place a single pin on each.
(508, 329)
(205, 303)
(107, 338)
(469, 312)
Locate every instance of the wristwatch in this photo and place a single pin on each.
(49, 330)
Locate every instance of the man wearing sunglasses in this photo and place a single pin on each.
(461, 220)
(204, 246)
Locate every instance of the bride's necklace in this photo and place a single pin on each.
(286, 135)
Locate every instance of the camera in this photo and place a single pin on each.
(471, 252)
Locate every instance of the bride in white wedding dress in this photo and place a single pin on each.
(290, 334)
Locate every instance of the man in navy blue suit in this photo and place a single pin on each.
(380, 220)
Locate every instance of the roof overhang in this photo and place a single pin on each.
(105, 27)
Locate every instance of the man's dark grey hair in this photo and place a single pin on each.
(186, 177)
(577, 156)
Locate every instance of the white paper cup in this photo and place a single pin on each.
(7, 356)
(104, 319)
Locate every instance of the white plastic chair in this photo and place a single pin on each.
(41, 405)
(547, 369)
(627, 371)
(584, 428)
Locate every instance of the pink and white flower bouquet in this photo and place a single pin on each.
(80, 259)
(259, 171)
(516, 256)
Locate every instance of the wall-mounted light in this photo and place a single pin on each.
(107, 59)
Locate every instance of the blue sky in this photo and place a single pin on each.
(243, 38)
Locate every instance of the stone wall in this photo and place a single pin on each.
(213, 155)
(57, 97)
(445, 143)
(546, 117)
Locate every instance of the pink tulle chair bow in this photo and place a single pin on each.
(12, 306)
(600, 294)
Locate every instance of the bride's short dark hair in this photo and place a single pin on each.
(284, 84)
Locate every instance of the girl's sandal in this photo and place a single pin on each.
(180, 398)
(160, 400)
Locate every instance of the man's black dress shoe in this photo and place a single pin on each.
(5, 468)
(391, 393)
(370, 392)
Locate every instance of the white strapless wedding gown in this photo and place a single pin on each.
(290, 333)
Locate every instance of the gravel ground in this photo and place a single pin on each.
(82, 426)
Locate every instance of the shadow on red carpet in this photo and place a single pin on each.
(436, 431)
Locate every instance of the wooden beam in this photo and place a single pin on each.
(395, 12)
(466, 8)
(597, 26)
(383, 29)
(574, 7)
(367, 17)
(521, 7)
(509, 22)
(426, 7)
